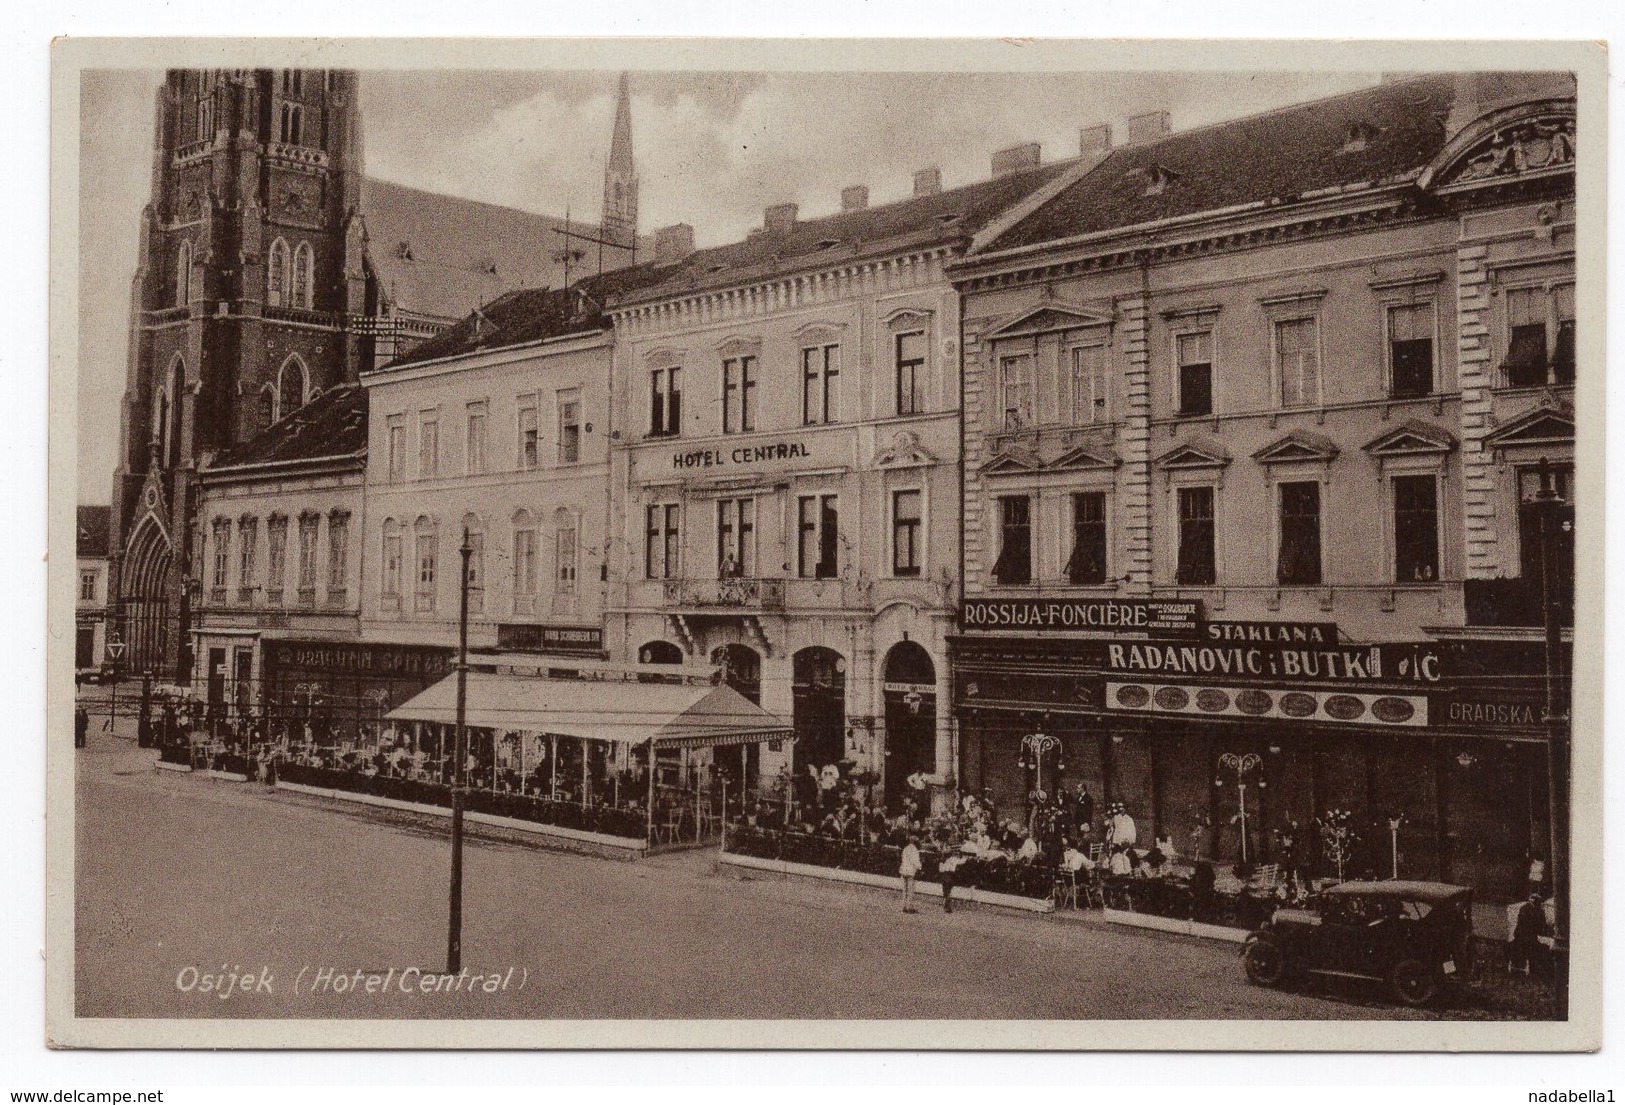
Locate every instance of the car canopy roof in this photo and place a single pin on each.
(1434, 893)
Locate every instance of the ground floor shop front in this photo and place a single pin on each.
(1430, 798)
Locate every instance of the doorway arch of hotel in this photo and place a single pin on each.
(818, 685)
(910, 679)
(741, 668)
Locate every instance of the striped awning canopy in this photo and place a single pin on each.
(673, 715)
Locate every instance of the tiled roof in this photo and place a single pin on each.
(463, 252)
(93, 530)
(331, 426)
(1281, 155)
(941, 217)
(532, 314)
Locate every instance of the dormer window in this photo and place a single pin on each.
(1359, 136)
(1158, 178)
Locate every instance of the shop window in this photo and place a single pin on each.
(909, 350)
(1197, 566)
(819, 532)
(820, 384)
(1087, 563)
(1195, 354)
(666, 402)
(736, 538)
(1015, 563)
(905, 531)
(1298, 558)
(660, 541)
(1410, 350)
(738, 394)
(1297, 361)
(1416, 529)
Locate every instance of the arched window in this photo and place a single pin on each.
(276, 275)
(304, 262)
(293, 124)
(394, 561)
(426, 557)
(566, 551)
(160, 420)
(292, 387)
(268, 405)
(524, 562)
(183, 275)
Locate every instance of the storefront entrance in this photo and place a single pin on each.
(911, 718)
(818, 685)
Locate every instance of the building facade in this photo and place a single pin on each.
(1250, 412)
(271, 269)
(90, 590)
(785, 471)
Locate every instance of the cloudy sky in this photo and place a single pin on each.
(712, 150)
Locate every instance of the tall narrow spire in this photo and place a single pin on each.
(620, 217)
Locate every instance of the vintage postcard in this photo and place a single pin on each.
(706, 543)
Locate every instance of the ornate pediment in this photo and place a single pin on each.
(1011, 462)
(1049, 318)
(905, 451)
(1531, 139)
(1299, 445)
(1084, 457)
(1413, 438)
(1195, 454)
(1547, 425)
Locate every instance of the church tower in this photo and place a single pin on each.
(250, 263)
(620, 216)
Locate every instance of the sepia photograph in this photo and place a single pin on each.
(767, 545)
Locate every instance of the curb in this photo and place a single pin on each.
(165, 765)
(884, 882)
(1199, 929)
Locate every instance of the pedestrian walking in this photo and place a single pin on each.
(81, 726)
(1525, 951)
(909, 869)
(947, 869)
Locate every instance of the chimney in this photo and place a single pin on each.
(928, 182)
(780, 218)
(855, 198)
(1148, 126)
(1094, 139)
(673, 243)
(1028, 155)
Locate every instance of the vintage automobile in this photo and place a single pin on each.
(1416, 936)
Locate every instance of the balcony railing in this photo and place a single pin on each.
(299, 155)
(736, 594)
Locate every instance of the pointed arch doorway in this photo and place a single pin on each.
(143, 613)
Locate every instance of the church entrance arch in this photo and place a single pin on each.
(143, 617)
(910, 682)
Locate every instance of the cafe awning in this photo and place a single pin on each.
(674, 715)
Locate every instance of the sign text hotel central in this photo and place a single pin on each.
(742, 454)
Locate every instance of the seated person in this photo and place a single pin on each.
(1074, 860)
(1156, 862)
(1120, 865)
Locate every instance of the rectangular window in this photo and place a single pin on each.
(910, 355)
(392, 566)
(309, 533)
(1297, 361)
(564, 547)
(660, 541)
(905, 533)
(529, 449)
(738, 395)
(820, 384)
(474, 447)
(524, 568)
(1015, 563)
(276, 557)
(1410, 350)
(1526, 338)
(1297, 562)
(338, 552)
(87, 586)
(1195, 354)
(397, 449)
(247, 546)
(819, 536)
(428, 444)
(1089, 385)
(423, 595)
(1563, 346)
(1016, 391)
(666, 401)
(570, 426)
(1087, 564)
(1416, 529)
(476, 573)
(736, 538)
(1197, 565)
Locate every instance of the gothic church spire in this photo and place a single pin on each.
(620, 215)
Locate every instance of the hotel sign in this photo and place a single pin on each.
(739, 455)
(1115, 617)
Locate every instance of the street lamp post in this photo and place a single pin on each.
(459, 780)
(1551, 512)
(1241, 764)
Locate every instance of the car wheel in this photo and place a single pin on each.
(1265, 963)
(1413, 982)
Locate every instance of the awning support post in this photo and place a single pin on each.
(552, 768)
(584, 757)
